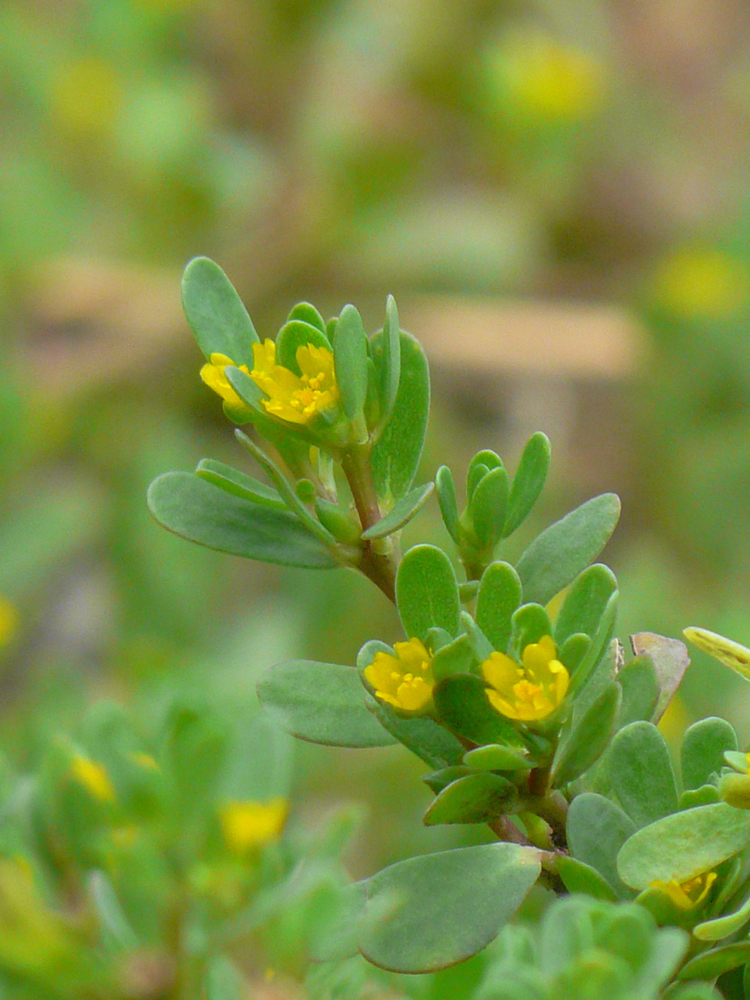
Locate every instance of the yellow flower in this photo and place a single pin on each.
(545, 80)
(404, 680)
(702, 283)
(688, 895)
(93, 777)
(294, 398)
(248, 824)
(8, 621)
(531, 690)
(214, 377)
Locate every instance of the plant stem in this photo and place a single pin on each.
(378, 566)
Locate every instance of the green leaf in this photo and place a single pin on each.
(337, 927)
(423, 736)
(203, 513)
(456, 657)
(588, 737)
(597, 828)
(446, 906)
(497, 757)
(487, 508)
(640, 770)
(390, 365)
(563, 550)
(446, 492)
(116, 927)
(476, 798)
(587, 678)
(480, 643)
(684, 845)
(670, 659)
(640, 690)
(216, 314)
(580, 877)
(439, 780)
(722, 927)
(396, 454)
(528, 481)
(713, 963)
(427, 592)
(307, 312)
(573, 651)
(499, 596)
(706, 795)
(529, 623)
(293, 335)
(350, 352)
(480, 466)
(585, 602)
(321, 703)
(461, 702)
(238, 483)
(405, 509)
(703, 747)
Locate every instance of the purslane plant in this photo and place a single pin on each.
(534, 723)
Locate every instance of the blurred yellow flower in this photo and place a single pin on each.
(294, 398)
(86, 96)
(248, 824)
(404, 680)
(545, 80)
(688, 895)
(8, 621)
(531, 690)
(94, 777)
(214, 377)
(701, 283)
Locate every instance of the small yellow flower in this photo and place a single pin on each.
(215, 378)
(404, 680)
(294, 398)
(531, 690)
(688, 895)
(248, 824)
(8, 621)
(545, 80)
(94, 777)
(702, 283)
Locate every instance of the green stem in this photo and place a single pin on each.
(378, 566)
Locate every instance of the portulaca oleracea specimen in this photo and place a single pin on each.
(534, 723)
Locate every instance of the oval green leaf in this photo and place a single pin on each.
(498, 598)
(684, 845)
(475, 798)
(350, 361)
(446, 907)
(563, 550)
(321, 703)
(703, 747)
(597, 829)
(427, 592)
(585, 602)
(528, 481)
(241, 485)
(204, 513)
(640, 770)
(296, 333)
(215, 312)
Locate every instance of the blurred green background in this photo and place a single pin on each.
(555, 191)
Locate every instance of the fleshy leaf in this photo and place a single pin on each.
(350, 350)
(487, 507)
(391, 358)
(427, 592)
(714, 963)
(597, 828)
(498, 598)
(528, 481)
(396, 455)
(462, 704)
(238, 483)
(321, 703)
(640, 690)
(446, 906)
(563, 550)
(216, 314)
(587, 738)
(684, 845)
(405, 509)
(585, 602)
(446, 491)
(296, 333)
(204, 513)
(670, 659)
(475, 798)
(640, 770)
(732, 654)
(703, 747)
(580, 877)
(722, 927)
(422, 735)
